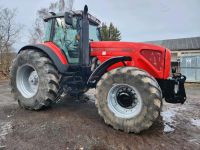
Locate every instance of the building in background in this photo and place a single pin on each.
(185, 56)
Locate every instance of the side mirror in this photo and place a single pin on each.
(68, 18)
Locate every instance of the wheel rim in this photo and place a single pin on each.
(124, 101)
(27, 81)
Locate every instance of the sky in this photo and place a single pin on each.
(138, 20)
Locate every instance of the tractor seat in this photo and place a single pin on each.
(73, 54)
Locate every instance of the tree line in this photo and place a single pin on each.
(9, 33)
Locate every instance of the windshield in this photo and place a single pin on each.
(94, 34)
(66, 38)
(47, 30)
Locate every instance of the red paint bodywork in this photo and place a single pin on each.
(151, 58)
(156, 60)
(57, 51)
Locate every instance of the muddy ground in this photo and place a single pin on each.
(72, 124)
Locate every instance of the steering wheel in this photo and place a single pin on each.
(68, 43)
(72, 51)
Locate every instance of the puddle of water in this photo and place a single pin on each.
(195, 122)
(168, 116)
(168, 128)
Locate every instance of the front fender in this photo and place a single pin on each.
(53, 52)
(100, 70)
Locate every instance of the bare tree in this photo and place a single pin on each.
(37, 33)
(61, 5)
(65, 5)
(69, 5)
(9, 32)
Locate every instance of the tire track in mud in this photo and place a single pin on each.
(5, 129)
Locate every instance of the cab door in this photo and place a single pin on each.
(67, 38)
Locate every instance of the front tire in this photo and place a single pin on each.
(34, 80)
(128, 99)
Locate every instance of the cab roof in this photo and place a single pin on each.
(73, 13)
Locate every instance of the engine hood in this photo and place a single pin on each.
(152, 58)
(131, 45)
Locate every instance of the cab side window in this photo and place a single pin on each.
(65, 38)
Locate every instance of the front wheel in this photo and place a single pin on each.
(34, 80)
(128, 99)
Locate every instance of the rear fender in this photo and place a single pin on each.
(102, 69)
(53, 52)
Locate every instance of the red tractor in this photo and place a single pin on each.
(131, 79)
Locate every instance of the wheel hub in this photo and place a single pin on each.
(33, 78)
(126, 98)
(124, 101)
(27, 81)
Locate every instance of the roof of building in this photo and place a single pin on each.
(192, 43)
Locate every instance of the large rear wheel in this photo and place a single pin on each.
(128, 99)
(34, 80)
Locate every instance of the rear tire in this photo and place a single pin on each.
(34, 80)
(128, 99)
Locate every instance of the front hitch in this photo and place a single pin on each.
(174, 89)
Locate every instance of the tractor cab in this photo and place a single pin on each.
(72, 32)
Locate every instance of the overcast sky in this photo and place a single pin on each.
(138, 20)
